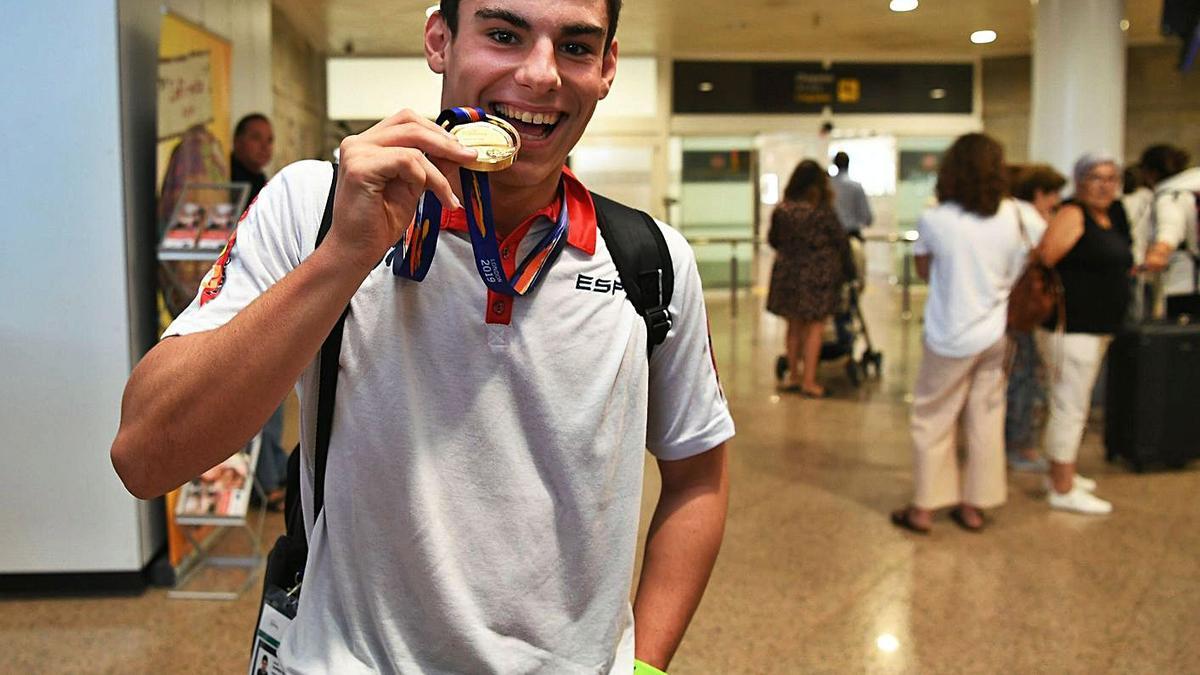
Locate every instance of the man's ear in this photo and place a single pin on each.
(608, 69)
(437, 41)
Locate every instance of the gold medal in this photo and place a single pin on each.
(494, 141)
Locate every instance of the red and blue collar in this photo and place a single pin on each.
(581, 215)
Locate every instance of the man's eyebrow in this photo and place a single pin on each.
(583, 29)
(503, 15)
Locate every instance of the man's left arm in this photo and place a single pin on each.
(681, 547)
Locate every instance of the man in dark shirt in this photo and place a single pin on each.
(253, 143)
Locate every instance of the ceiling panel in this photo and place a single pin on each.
(842, 29)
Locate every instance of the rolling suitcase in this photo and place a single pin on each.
(1153, 395)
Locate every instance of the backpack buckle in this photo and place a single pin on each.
(658, 320)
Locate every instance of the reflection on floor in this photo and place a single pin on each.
(812, 577)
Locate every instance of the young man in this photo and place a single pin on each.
(485, 466)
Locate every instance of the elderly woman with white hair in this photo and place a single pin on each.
(1089, 243)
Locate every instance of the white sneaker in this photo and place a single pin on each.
(1079, 501)
(1082, 482)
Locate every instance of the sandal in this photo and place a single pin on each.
(791, 389)
(903, 518)
(956, 514)
(812, 394)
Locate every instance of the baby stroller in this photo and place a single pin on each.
(848, 325)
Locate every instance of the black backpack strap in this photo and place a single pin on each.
(327, 376)
(643, 262)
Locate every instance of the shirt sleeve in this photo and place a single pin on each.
(1035, 225)
(865, 217)
(277, 231)
(922, 246)
(688, 412)
(1170, 220)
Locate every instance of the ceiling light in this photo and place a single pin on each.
(983, 37)
(705, 87)
(903, 5)
(937, 94)
(1124, 24)
(431, 10)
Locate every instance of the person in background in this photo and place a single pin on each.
(810, 268)
(1174, 243)
(971, 251)
(1088, 242)
(253, 145)
(849, 199)
(1040, 186)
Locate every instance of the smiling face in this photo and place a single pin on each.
(540, 65)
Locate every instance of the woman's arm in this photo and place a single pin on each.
(774, 235)
(1061, 236)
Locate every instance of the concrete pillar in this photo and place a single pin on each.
(1078, 81)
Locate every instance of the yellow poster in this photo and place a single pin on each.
(194, 87)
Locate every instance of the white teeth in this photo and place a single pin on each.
(527, 117)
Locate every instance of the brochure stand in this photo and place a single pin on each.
(202, 220)
(213, 512)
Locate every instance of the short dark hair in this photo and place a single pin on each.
(247, 121)
(1027, 181)
(449, 11)
(807, 176)
(841, 161)
(1164, 160)
(973, 174)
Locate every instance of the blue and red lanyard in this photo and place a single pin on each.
(413, 254)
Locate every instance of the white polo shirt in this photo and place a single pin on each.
(484, 478)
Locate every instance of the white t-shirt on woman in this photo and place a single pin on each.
(974, 262)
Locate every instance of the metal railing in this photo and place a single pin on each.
(905, 239)
(733, 243)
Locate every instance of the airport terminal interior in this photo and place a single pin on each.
(714, 106)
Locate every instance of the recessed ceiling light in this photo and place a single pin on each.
(937, 94)
(983, 37)
(431, 10)
(903, 5)
(1125, 24)
(705, 87)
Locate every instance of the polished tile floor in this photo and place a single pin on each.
(812, 578)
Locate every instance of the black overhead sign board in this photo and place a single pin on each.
(748, 87)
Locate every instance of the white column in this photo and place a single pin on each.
(1078, 81)
(78, 196)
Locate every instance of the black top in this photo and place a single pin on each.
(239, 173)
(1095, 275)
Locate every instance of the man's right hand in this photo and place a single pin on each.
(383, 172)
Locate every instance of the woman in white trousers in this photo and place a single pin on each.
(971, 250)
(1088, 242)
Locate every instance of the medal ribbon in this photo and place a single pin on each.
(413, 254)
